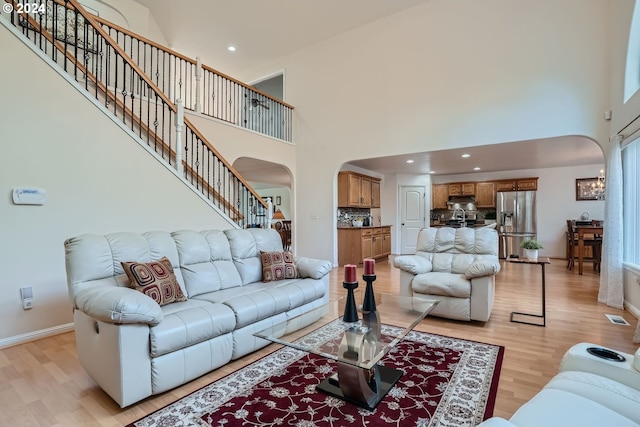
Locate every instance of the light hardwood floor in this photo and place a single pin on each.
(43, 384)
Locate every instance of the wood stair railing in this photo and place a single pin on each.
(226, 99)
(241, 200)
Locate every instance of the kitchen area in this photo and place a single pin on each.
(360, 231)
(507, 204)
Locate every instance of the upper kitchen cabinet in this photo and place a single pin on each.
(358, 191)
(439, 196)
(521, 184)
(486, 194)
(375, 193)
(462, 189)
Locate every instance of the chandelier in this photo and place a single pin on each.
(598, 186)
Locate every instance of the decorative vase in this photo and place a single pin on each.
(531, 253)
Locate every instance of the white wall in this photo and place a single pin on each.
(443, 74)
(97, 180)
(128, 14)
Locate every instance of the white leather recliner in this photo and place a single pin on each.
(587, 392)
(456, 266)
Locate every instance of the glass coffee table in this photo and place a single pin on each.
(357, 347)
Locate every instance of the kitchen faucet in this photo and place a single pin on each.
(464, 216)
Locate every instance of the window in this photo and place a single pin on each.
(632, 68)
(631, 197)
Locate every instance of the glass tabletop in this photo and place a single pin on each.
(362, 343)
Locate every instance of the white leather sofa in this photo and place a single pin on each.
(587, 392)
(456, 266)
(133, 348)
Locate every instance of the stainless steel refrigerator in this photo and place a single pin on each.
(516, 218)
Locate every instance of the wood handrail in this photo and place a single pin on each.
(251, 88)
(186, 58)
(144, 39)
(197, 133)
(159, 92)
(58, 45)
(97, 27)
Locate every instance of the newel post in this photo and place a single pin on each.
(269, 212)
(179, 125)
(198, 106)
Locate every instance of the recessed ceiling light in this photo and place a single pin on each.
(432, 171)
(477, 168)
(465, 156)
(409, 161)
(231, 48)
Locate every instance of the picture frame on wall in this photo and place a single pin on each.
(585, 189)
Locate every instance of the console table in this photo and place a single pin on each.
(541, 262)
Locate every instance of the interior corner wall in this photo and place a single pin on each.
(96, 177)
(128, 14)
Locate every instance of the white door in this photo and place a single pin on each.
(412, 217)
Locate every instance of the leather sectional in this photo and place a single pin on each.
(133, 348)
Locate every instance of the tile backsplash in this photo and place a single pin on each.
(346, 215)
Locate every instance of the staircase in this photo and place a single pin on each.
(204, 89)
(83, 49)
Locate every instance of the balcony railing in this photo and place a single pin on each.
(204, 89)
(73, 39)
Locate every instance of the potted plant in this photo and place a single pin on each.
(531, 247)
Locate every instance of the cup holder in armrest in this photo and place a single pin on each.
(603, 353)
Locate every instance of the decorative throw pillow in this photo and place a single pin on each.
(278, 266)
(154, 279)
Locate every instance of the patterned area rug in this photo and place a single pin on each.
(446, 382)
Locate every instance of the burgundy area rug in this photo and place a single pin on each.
(446, 382)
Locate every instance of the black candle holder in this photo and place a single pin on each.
(369, 302)
(350, 310)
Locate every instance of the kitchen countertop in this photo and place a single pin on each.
(478, 224)
(349, 227)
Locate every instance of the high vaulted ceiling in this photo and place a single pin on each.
(263, 30)
(260, 29)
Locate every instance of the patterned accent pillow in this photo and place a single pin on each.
(154, 279)
(278, 266)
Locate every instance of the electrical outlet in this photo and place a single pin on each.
(26, 294)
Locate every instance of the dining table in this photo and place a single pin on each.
(595, 229)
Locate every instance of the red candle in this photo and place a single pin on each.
(369, 266)
(350, 273)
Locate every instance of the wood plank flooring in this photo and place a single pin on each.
(43, 384)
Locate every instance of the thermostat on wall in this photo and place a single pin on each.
(29, 196)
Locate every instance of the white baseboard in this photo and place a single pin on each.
(632, 309)
(36, 335)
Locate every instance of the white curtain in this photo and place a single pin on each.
(611, 285)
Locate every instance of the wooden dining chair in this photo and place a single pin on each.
(592, 241)
(572, 243)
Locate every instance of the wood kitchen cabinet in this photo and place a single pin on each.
(527, 184)
(375, 193)
(462, 189)
(521, 184)
(355, 190)
(439, 196)
(356, 244)
(386, 241)
(485, 194)
(454, 189)
(468, 188)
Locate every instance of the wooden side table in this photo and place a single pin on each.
(541, 262)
